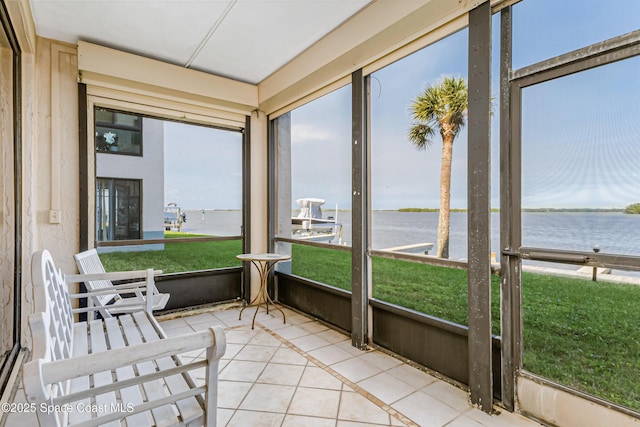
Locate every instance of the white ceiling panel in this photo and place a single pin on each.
(258, 37)
(246, 40)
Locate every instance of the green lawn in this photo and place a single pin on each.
(177, 257)
(584, 334)
(577, 332)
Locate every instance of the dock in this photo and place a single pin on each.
(415, 248)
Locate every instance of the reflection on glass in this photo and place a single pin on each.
(7, 201)
(580, 156)
(118, 133)
(543, 29)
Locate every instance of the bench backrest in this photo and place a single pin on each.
(51, 324)
(88, 262)
(52, 309)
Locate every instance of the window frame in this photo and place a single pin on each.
(97, 97)
(513, 252)
(13, 327)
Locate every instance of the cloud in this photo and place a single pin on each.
(303, 133)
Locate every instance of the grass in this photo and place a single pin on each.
(579, 333)
(439, 291)
(177, 257)
(583, 334)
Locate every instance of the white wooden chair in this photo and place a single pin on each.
(110, 299)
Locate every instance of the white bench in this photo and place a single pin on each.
(119, 371)
(113, 299)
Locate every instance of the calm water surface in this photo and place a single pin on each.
(613, 232)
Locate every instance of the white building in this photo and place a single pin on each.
(130, 178)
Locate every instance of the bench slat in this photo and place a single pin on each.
(136, 382)
(80, 347)
(164, 416)
(129, 394)
(190, 409)
(99, 344)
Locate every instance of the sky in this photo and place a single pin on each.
(581, 134)
(203, 167)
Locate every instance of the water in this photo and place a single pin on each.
(215, 222)
(612, 232)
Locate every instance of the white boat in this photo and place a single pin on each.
(311, 225)
(173, 217)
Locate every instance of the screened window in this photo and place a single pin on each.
(579, 170)
(314, 187)
(568, 25)
(320, 169)
(579, 184)
(407, 181)
(406, 173)
(578, 134)
(179, 203)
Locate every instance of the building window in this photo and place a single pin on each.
(118, 209)
(118, 133)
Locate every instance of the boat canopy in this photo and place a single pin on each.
(310, 208)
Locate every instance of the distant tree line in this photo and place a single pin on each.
(437, 210)
(572, 210)
(631, 209)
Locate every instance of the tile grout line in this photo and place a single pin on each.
(373, 399)
(295, 390)
(235, 411)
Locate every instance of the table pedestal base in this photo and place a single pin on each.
(266, 303)
(264, 267)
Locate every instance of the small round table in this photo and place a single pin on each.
(264, 263)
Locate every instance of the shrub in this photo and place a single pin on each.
(632, 209)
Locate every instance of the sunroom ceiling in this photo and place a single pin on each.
(245, 40)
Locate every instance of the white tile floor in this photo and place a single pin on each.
(301, 373)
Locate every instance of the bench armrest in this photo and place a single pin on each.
(139, 288)
(115, 275)
(122, 288)
(62, 370)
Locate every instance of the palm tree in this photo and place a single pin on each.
(443, 107)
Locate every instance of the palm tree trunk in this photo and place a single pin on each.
(445, 195)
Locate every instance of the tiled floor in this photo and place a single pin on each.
(301, 373)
